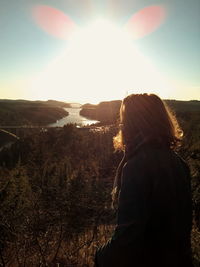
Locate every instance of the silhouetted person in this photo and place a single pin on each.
(152, 190)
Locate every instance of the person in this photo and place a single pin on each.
(152, 190)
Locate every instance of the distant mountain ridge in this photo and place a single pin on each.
(48, 102)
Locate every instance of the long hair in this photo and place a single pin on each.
(144, 118)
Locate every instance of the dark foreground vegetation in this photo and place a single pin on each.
(23, 112)
(55, 204)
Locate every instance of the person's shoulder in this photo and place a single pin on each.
(139, 163)
(138, 170)
(134, 161)
(145, 156)
(151, 158)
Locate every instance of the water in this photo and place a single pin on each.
(73, 117)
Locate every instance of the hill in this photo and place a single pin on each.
(105, 112)
(24, 112)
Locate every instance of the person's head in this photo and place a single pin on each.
(145, 118)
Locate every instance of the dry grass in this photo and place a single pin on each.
(80, 251)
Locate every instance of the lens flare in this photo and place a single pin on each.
(53, 21)
(145, 21)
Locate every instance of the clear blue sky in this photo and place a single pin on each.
(25, 49)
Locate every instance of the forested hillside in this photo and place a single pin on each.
(23, 112)
(105, 112)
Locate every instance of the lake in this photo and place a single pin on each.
(73, 117)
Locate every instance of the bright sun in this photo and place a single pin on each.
(101, 62)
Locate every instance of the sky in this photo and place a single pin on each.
(96, 50)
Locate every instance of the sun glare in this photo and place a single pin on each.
(100, 62)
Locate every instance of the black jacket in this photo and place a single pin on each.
(154, 214)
